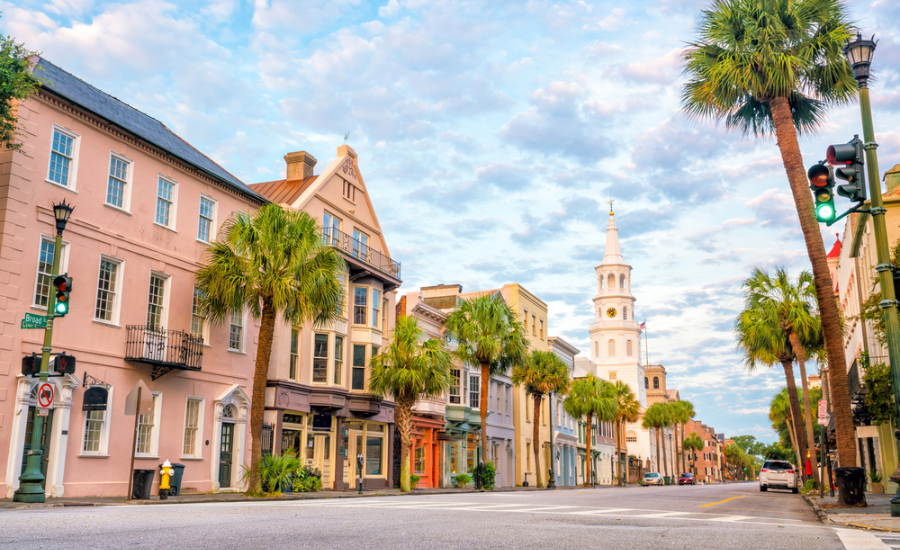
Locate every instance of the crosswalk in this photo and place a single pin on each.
(856, 539)
(891, 540)
(573, 510)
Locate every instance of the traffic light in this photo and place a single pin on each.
(821, 182)
(31, 365)
(64, 364)
(849, 156)
(63, 285)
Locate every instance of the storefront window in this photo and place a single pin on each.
(419, 464)
(454, 457)
(373, 455)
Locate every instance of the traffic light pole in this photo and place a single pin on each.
(30, 488)
(885, 274)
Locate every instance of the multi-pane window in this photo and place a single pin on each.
(331, 229)
(454, 387)
(474, 391)
(156, 302)
(236, 331)
(359, 367)
(542, 329)
(419, 464)
(360, 245)
(384, 310)
(320, 358)
(118, 177)
(613, 375)
(197, 318)
(93, 431)
(107, 290)
(376, 302)
(146, 423)
(205, 224)
(192, 428)
(295, 353)
(62, 157)
(360, 297)
(165, 197)
(44, 273)
(338, 360)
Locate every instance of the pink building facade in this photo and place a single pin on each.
(146, 206)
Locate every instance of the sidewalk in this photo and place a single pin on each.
(874, 517)
(8, 504)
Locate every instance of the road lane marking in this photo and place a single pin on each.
(541, 509)
(664, 514)
(604, 511)
(721, 501)
(854, 539)
(736, 518)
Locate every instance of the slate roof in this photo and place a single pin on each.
(63, 84)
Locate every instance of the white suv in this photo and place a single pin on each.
(780, 474)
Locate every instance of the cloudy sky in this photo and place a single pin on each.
(491, 134)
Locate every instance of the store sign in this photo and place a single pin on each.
(95, 399)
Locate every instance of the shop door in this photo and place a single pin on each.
(45, 442)
(225, 454)
(323, 457)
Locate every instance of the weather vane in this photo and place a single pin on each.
(610, 202)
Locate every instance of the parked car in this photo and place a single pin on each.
(653, 478)
(779, 474)
(687, 478)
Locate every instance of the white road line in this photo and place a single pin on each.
(602, 512)
(541, 509)
(854, 539)
(735, 518)
(664, 514)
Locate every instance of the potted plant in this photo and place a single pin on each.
(413, 480)
(875, 486)
(462, 479)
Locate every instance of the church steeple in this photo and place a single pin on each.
(612, 254)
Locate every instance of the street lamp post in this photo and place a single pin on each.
(30, 488)
(859, 53)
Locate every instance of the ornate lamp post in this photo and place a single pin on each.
(30, 489)
(859, 53)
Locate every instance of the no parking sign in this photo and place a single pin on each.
(44, 398)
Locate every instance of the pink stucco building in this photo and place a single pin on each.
(146, 206)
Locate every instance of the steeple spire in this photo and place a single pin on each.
(612, 254)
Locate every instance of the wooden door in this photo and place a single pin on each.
(323, 457)
(226, 448)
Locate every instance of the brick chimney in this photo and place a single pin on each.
(299, 165)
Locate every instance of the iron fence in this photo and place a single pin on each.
(361, 251)
(158, 346)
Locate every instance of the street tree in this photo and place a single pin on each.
(628, 409)
(268, 263)
(682, 413)
(488, 335)
(543, 373)
(588, 397)
(17, 82)
(693, 443)
(410, 367)
(658, 417)
(780, 413)
(749, 444)
(773, 68)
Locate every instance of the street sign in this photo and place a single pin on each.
(823, 408)
(45, 395)
(34, 321)
(43, 412)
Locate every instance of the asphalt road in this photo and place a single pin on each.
(710, 516)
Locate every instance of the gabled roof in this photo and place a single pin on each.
(63, 84)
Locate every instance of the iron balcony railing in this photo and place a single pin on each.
(361, 251)
(164, 349)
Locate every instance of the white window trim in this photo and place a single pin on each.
(154, 432)
(213, 223)
(242, 351)
(167, 293)
(198, 442)
(104, 432)
(173, 211)
(63, 265)
(73, 172)
(120, 273)
(205, 332)
(126, 198)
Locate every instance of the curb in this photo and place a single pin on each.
(821, 515)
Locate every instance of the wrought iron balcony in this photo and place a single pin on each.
(354, 248)
(164, 350)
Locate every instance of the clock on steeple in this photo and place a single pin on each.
(611, 312)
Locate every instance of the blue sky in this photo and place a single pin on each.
(491, 135)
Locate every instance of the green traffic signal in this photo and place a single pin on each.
(821, 182)
(63, 286)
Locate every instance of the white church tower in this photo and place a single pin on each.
(615, 334)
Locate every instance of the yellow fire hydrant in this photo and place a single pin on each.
(166, 476)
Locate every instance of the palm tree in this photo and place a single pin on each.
(693, 443)
(773, 67)
(488, 335)
(590, 396)
(269, 262)
(779, 411)
(682, 412)
(657, 417)
(793, 307)
(412, 366)
(628, 410)
(544, 373)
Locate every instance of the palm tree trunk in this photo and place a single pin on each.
(485, 385)
(807, 416)
(258, 399)
(536, 440)
(828, 311)
(792, 436)
(796, 417)
(404, 425)
(587, 461)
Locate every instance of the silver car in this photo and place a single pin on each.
(779, 474)
(653, 478)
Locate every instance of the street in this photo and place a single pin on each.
(690, 517)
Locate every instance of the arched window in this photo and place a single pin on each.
(629, 348)
(611, 281)
(612, 348)
(622, 281)
(602, 286)
(656, 382)
(646, 383)
(631, 437)
(625, 313)
(230, 411)
(596, 349)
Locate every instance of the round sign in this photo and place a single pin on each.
(45, 395)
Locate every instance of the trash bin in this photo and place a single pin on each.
(142, 482)
(175, 481)
(851, 484)
(667, 480)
